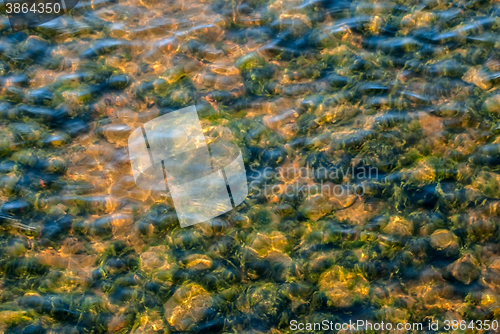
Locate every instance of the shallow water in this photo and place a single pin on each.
(369, 131)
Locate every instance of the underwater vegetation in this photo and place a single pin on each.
(370, 131)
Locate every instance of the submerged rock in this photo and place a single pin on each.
(465, 269)
(444, 240)
(189, 305)
(488, 183)
(343, 288)
(399, 226)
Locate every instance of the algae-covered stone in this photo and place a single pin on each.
(56, 139)
(321, 199)
(150, 321)
(424, 172)
(250, 61)
(116, 133)
(13, 317)
(445, 240)
(343, 288)
(198, 262)
(399, 226)
(260, 300)
(465, 269)
(189, 305)
(478, 77)
(492, 104)
(263, 244)
(119, 81)
(488, 183)
(490, 276)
